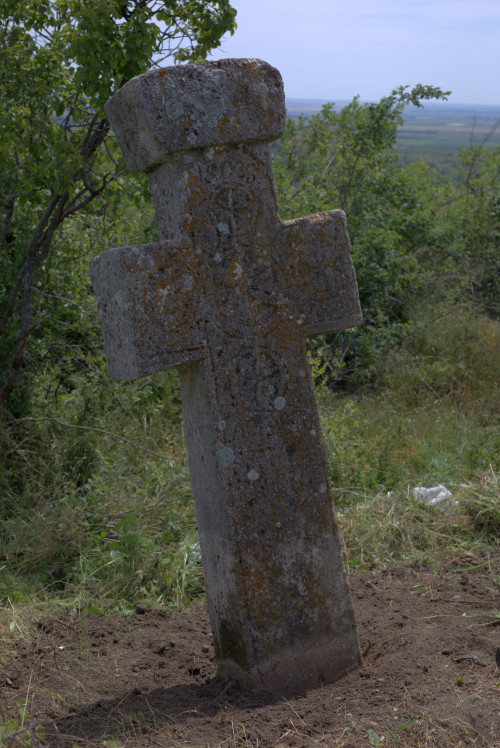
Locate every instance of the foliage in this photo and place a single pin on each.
(60, 60)
(347, 159)
(414, 234)
(476, 216)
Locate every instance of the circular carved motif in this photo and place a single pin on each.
(257, 376)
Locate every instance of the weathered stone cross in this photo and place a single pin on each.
(229, 295)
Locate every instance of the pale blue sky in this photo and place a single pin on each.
(334, 50)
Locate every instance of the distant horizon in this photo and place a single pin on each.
(435, 125)
(430, 103)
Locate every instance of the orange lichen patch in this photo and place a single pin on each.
(224, 125)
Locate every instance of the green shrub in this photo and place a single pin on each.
(449, 352)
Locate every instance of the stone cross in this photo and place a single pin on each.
(228, 295)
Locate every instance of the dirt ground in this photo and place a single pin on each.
(430, 676)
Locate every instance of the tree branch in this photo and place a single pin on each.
(30, 254)
(9, 212)
(74, 207)
(26, 326)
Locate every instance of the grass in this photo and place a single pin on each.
(100, 522)
(391, 528)
(436, 419)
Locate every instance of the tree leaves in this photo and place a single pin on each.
(347, 159)
(60, 60)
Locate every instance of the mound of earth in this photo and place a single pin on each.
(430, 677)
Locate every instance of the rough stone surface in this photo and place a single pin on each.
(229, 295)
(196, 106)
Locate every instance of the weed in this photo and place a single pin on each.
(483, 506)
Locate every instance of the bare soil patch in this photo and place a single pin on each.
(149, 679)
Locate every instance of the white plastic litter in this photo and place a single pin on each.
(434, 496)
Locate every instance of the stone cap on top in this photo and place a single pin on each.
(202, 105)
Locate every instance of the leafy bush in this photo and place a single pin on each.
(450, 352)
(417, 239)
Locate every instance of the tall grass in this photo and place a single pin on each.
(96, 502)
(434, 419)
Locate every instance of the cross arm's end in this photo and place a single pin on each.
(203, 105)
(115, 315)
(324, 285)
(148, 308)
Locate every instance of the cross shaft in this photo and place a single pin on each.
(229, 296)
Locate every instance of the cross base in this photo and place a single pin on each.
(298, 668)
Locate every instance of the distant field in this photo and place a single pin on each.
(437, 132)
(434, 133)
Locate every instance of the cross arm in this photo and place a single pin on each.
(322, 289)
(148, 305)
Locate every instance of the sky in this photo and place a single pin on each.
(336, 49)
